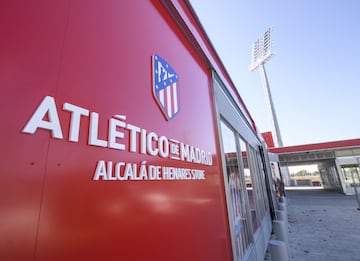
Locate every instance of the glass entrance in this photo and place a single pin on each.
(351, 175)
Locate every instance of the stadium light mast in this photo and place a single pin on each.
(261, 53)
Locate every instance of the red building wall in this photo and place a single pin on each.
(96, 55)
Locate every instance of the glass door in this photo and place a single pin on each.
(351, 175)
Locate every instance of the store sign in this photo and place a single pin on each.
(139, 140)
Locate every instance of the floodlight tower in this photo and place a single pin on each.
(261, 53)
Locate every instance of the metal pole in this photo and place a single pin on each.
(265, 81)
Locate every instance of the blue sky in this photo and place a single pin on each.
(314, 76)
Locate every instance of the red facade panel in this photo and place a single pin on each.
(95, 56)
(268, 139)
(32, 35)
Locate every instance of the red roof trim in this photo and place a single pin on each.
(318, 146)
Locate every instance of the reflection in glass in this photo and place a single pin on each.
(249, 179)
(351, 175)
(237, 204)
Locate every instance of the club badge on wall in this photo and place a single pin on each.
(165, 87)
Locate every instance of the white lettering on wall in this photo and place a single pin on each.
(93, 132)
(120, 136)
(46, 108)
(123, 171)
(115, 134)
(76, 113)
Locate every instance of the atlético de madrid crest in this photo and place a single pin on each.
(165, 87)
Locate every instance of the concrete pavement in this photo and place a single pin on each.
(323, 226)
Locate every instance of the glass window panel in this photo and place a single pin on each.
(351, 174)
(249, 180)
(263, 201)
(262, 178)
(238, 211)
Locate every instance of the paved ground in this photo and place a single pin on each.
(323, 226)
